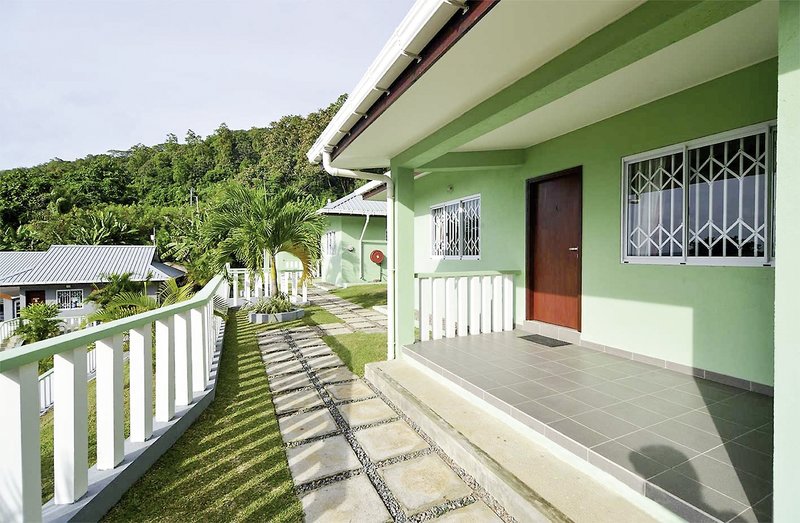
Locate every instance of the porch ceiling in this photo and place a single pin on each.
(516, 38)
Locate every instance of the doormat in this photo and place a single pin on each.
(544, 340)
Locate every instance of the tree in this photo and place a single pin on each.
(115, 285)
(39, 322)
(129, 303)
(254, 226)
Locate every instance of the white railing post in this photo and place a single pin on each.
(437, 308)
(486, 304)
(183, 359)
(235, 276)
(305, 292)
(463, 305)
(475, 305)
(141, 382)
(70, 426)
(199, 339)
(110, 420)
(257, 284)
(508, 302)
(165, 370)
(451, 308)
(497, 304)
(424, 309)
(20, 458)
(247, 285)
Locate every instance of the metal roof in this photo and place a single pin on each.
(355, 204)
(12, 262)
(91, 264)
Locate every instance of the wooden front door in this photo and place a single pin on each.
(554, 249)
(33, 297)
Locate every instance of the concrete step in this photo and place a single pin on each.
(534, 479)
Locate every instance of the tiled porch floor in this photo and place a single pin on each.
(706, 444)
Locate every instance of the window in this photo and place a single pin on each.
(329, 243)
(456, 229)
(69, 299)
(706, 202)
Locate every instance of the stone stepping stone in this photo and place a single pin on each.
(326, 376)
(277, 346)
(320, 459)
(335, 331)
(311, 342)
(302, 399)
(422, 483)
(477, 511)
(289, 382)
(353, 499)
(366, 412)
(304, 425)
(325, 362)
(277, 356)
(315, 352)
(286, 367)
(390, 440)
(355, 390)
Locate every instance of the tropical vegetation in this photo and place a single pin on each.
(128, 303)
(273, 305)
(39, 322)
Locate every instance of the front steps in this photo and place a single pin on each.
(531, 477)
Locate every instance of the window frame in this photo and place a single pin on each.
(460, 203)
(58, 301)
(329, 243)
(767, 260)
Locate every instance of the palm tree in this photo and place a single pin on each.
(39, 322)
(129, 303)
(254, 227)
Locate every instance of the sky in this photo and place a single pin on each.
(81, 77)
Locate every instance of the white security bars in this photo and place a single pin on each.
(20, 461)
(456, 229)
(464, 303)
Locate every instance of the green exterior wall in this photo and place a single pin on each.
(716, 318)
(344, 266)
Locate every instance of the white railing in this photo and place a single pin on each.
(185, 336)
(248, 286)
(46, 382)
(72, 323)
(464, 303)
(8, 328)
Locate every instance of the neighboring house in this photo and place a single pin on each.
(64, 275)
(629, 172)
(356, 228)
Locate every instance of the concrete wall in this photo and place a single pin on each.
(716, 318)
(350, 263)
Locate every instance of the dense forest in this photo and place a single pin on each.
(124, 197)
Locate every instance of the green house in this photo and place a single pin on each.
(615, 176)
(353, 246)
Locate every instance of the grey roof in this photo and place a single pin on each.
(91, 264)
(15, 261)
(355, 204)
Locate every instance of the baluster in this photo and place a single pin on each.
(508, 302)
(463, 305)
(437, 308)
(141, 382)
(70, 426)
(497, 304)
(305, 292)
(20, 459)
(109, 380)
(424, 309)
(165, 370)
(199, 340)
(475, 305)
(486, 304)
(451, 308)
(235, 289)
(247, 286)
(183, 359)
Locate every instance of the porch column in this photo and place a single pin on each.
(787, 276)
(403, 243)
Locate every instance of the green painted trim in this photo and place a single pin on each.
(645, 30)
(13, 358)
(477, 160)
(460, 274)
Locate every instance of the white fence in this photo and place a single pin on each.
(248, 286)
(46, 381)
(185, 336)
(464, 303)
(8, 328)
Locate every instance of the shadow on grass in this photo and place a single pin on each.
(358, 349)
(230, 464)
(366, 296)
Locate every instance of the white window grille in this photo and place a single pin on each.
(69, 299)
(706, 202)
(456, 229)
(329, 243)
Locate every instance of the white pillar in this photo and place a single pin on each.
(165, 371)
(183, 359)
(199, 339)
(110, 416)
(20, 459)
(141, 382)
(70, 426)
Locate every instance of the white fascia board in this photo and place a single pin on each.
(420, 25)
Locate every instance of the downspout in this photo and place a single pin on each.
(361, 249)
(390, 291)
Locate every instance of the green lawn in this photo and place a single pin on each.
(365, 295)
(230, 464)
(358, 349)
(315, 315)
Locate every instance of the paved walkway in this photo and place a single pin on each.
(355, 317)
(352, 454)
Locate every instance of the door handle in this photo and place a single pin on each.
(573, 249)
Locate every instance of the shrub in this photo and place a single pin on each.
(276, 304)
(39, 322)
